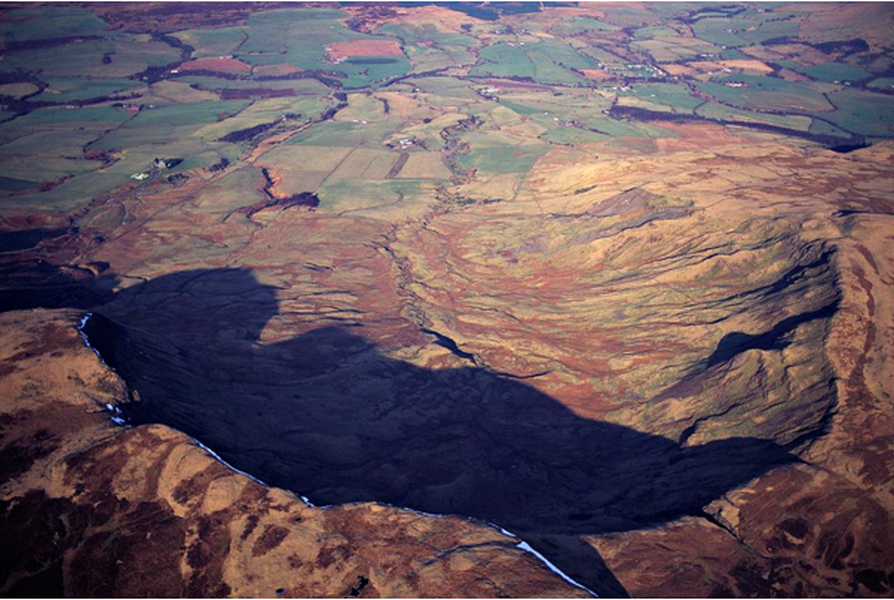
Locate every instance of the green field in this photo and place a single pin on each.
(673, 96)
(67, 119)
(750, 27)
(166, 124)
(867, 113)
(335, 133)
(48, 22)
(429, 48)
(104, 58)
(823, 128)
(548, 105)
(767, 93)
(543, 62)
(720, 112)
(833, 72)
(72, 89)
(299, 37)
(882, 83)
(673, 49)
(494, 155)
(579, 25)
(213, 42)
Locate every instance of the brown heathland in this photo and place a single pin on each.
(218, 65)
(355, 48)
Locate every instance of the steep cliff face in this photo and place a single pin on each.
(821, 525)
(92, 509)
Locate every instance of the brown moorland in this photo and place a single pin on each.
(355, 48)
(218, 65)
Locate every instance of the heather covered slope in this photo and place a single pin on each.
(614, 279)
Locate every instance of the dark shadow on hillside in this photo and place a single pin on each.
(776, 338)
(29, 284)
(329, 416)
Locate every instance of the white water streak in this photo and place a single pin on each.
(217, 457)
(527, 548)
(86, 339)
